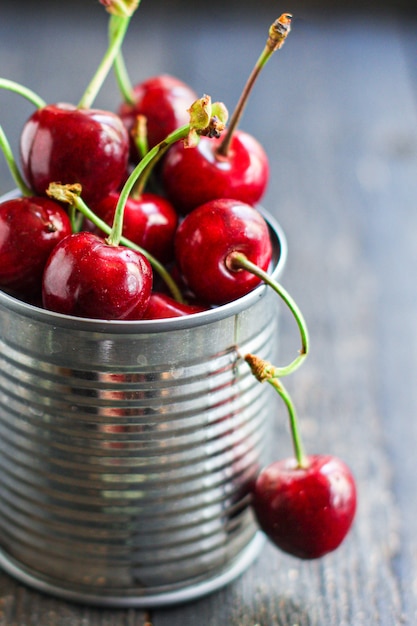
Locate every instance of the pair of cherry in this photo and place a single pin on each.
(222, 250)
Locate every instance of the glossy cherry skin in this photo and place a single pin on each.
(163, 100)
(60, 143)
(162, 306)
(192, 176)
(306, 512)
(150, 221)
(205, 239)
(30, 227)
(86, 277)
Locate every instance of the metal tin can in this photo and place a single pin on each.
(127, 449)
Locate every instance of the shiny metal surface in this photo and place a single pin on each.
(127, 449)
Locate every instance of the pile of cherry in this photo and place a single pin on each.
(68, 266)
(151, 212)
(65, 264)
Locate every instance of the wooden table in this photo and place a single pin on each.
(336, 110)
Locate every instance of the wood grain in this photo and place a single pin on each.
(336, 111)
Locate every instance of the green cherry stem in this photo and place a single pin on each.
(264, 371)
(70, 194)
(142, 168)
(237, 261)
(140, 137)
(120, 70)
(118, 25)
(10, 160)
(278, 32)
(27, 93)
(123, 79)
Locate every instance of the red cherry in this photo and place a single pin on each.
(162, 306)
(29, 230)
(193, 176)
(235, 166)
(150, 221)
(205, 239)
(306, 512)
(86, 277)
(60, 143)
(163, 101)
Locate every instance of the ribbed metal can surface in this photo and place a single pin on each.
(127, 449)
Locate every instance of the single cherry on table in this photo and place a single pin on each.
(305, 504)
(305, 511)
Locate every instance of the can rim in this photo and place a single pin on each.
(280, 252)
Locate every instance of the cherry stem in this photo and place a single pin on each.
(118, 26)
(264, 371)
(120, 70)
(140, 135)
(8, 154)
(142, 169)
(238, 261)
(277, 34)
(27, 93)
(70, 195)
(299, 454)
(140, 185)
(123, 79)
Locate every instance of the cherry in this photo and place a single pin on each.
(78, 144)
(30, 227)
(66, 144)
(86, 277)
(305, 504)
(163, 101)
(193, 176)
(237, 166)
(305, 511)
(149, 220)
(206, 239)
(162, 306)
